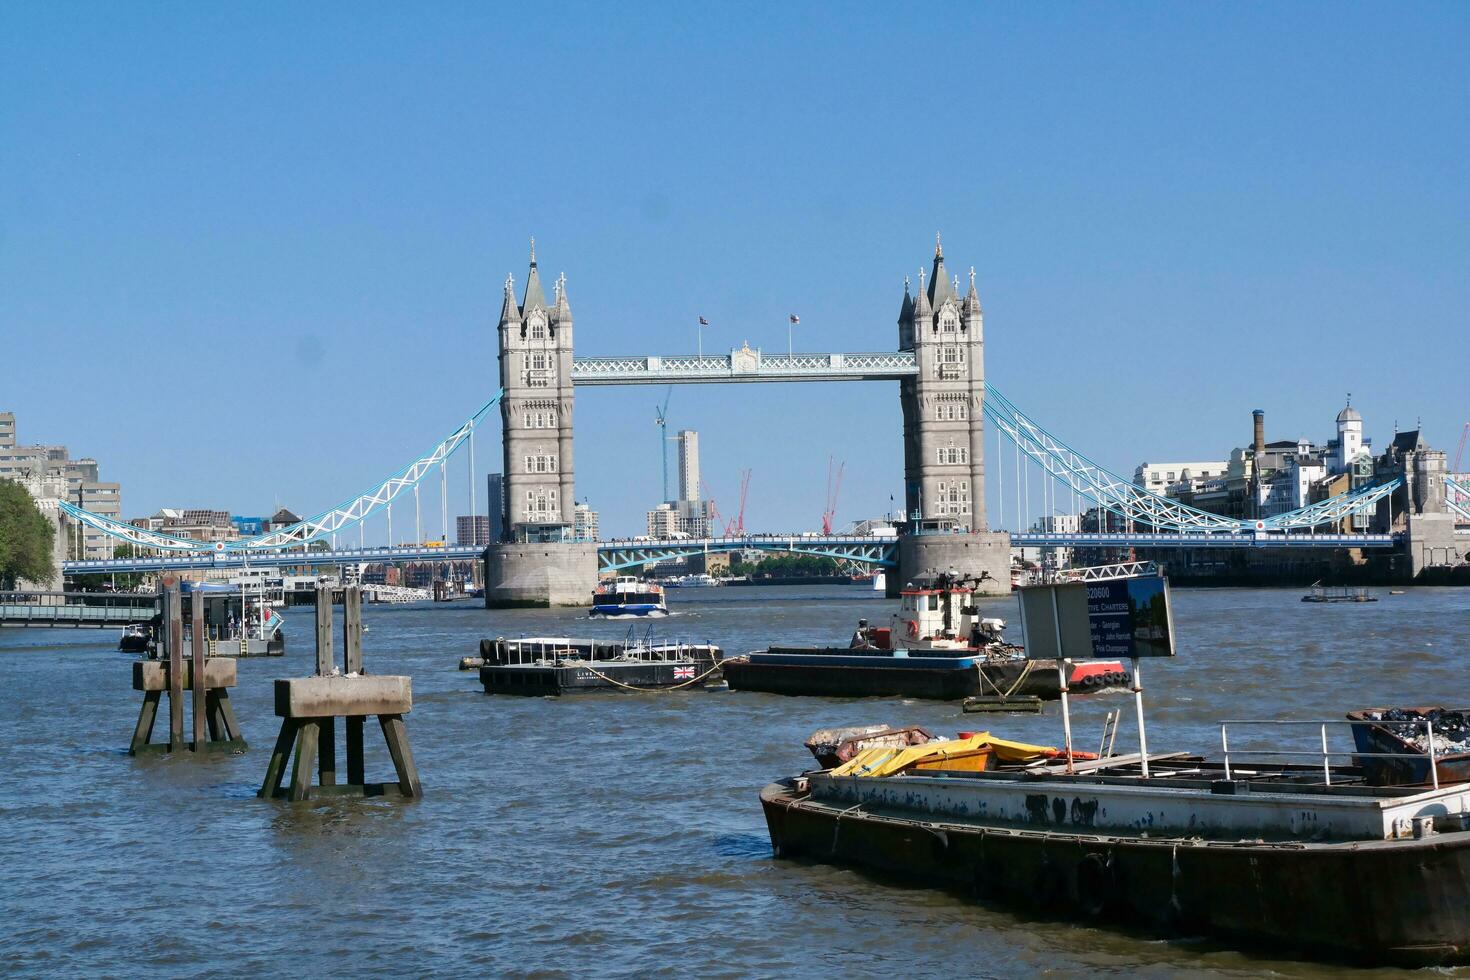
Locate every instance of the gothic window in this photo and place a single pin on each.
(949, 323)
(538, 330)
(530, 464)
(963, 410)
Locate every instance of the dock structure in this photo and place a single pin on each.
(310, 706)
(74, 610)
(208, 680)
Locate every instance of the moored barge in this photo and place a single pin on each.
(540, 666)
(1274, 856)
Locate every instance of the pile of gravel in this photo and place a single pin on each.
(1451, 728)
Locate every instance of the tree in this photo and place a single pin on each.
(27, 538)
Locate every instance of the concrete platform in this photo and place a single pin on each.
(331, 697)
(152, 675)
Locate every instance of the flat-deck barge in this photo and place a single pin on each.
(1296, 856)
(540, 666)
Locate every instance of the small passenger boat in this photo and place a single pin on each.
(136, 638)
(936, 646)
(628, 596)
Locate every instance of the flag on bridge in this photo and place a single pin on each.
(795, 318)
(703, 322)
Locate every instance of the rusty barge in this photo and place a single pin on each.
(1342, 871)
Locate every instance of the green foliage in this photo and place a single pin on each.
(785, 566)
(26, 538)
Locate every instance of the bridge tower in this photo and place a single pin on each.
(944, 435)
(537, 562)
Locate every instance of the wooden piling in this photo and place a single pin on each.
(309, 708)
(173, 605)
(208, 679)
(197, 639)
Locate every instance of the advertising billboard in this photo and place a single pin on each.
(1115, 619)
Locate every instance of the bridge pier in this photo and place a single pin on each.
(985, 555)
(520, 574)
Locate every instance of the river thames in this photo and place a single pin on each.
(601, 834)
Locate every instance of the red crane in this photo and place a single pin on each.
(834, 488)
(736, 527)
(1459, 453)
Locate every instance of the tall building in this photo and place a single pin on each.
(943, 417)
(472, 530)
(688, 465)
(49, 473)
(536, 376)
(585, 527)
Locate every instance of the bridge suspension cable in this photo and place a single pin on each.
(323, 525)
(1134, 503)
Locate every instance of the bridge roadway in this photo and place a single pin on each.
(873, 550)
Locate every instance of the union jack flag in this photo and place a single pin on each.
(703, 322)
(683, 673)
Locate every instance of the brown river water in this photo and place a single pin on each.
(603, 834)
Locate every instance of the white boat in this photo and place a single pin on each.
(628, 596)
(699, 581)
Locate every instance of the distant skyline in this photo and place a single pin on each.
(253, 255)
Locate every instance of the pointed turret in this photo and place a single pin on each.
(534, 296)
(939, 284)
(509, 312)
(922, 307)
(563, 308)
(972, 298)
(906, 311)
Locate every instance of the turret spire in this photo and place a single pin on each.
(906, 311)
(922, 306)
(939, 285)
(972, 298)
(534, 296)
(509, 312)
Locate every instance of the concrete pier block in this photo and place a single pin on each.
(330, 697)
(986, 554)
(152, 675)
(549, 574)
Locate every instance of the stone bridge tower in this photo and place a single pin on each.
(536, 410)
(944, 436)
(536, 563)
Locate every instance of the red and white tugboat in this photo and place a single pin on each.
(937, 645)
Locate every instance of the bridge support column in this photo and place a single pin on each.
(985, 555)
(540, 574)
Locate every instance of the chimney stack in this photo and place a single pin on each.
(1259, 441)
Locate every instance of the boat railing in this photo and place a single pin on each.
(1325, 753)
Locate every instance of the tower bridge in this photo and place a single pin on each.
(945, 403)
(939, 367)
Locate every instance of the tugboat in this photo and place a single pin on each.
(936, 646)
(628, 596)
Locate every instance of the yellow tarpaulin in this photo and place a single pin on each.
(887, 761)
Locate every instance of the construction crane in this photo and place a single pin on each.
(736, 527)
(834, 487)
(1460, 453)
(661, 421)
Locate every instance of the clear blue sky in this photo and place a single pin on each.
(253, 254)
